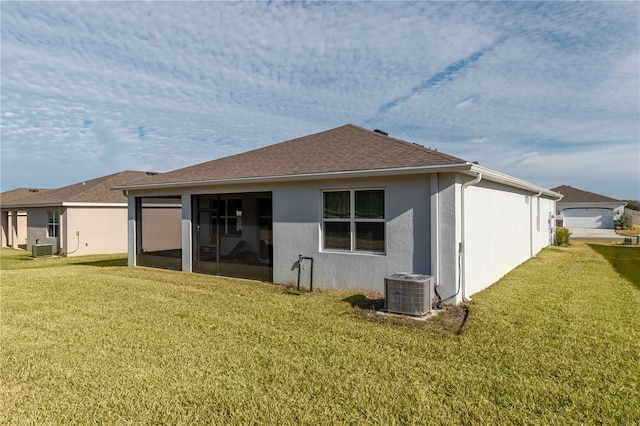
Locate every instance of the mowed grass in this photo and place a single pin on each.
(88, 340)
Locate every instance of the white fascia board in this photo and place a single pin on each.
(508, 180)
(94, 204)
(585, 204)
(396, 171)
(30, 206)
(61, 204)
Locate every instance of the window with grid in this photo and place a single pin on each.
(54, 224)
(231, 216)
(353, 220)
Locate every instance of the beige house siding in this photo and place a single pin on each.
(161, 229)
(101, 230)
(4, 229)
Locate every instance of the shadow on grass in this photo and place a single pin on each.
(373, 302)
(624, 259)
(105, 263)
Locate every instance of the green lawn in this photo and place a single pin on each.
(88, 340)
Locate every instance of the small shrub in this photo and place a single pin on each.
(625, 222)
(562, 236)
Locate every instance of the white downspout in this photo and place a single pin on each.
(533, 197)
(462, 251)
(435, 228)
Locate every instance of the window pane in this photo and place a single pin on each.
(337, 205)
(337, 235)
(234, 207)
(370, 236)
(53, 230)
(370, 204)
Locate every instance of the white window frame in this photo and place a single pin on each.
(352, 221)
(53, 224)
(237, 215)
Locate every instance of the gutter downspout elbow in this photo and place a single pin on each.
(463, 253)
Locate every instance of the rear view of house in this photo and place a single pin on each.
(363, 205)
(79, 219)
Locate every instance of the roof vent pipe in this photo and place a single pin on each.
(462, 249)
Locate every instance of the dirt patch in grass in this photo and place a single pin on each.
(449, 320)
(629, 232)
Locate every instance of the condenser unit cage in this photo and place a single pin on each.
(42, 250)
(408, 294)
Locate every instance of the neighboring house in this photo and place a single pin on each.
(635, 215)
(80, 219)
(584, 209)
(14, 223)
(362, 204)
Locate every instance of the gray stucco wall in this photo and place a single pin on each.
(297, 217)
(447, 277)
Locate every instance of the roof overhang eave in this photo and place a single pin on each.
(492, 175)
(61, 204)
(395, 171)
(617, 203)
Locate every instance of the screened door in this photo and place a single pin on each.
(232, 235)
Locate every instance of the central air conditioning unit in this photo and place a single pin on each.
(51, 240)
(42, 250)
(408, 294)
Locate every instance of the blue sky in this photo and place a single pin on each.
(548, 92)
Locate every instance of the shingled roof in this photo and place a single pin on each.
(18, 193)
(91, 191)
(574, 195)
(345, 148)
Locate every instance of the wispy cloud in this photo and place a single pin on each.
(96, 87)
(449, 73)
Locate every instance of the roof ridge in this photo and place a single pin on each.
(410, 144)
(345, 148)
(105, 182)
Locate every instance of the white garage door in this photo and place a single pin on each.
(588, 218)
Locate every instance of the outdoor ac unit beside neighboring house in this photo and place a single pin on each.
(51, 240)
(42, 250)
(408, 294)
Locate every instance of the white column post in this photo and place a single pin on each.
(132, 233)
(187, 233)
